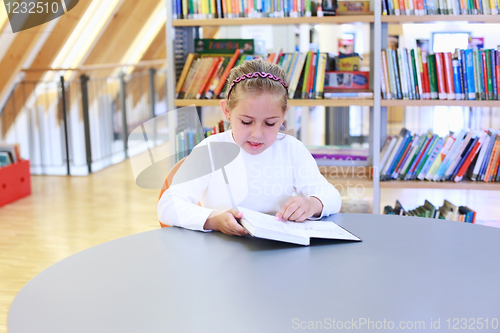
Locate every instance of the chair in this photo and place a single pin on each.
(168, 182)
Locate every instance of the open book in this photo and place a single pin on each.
(265, 226)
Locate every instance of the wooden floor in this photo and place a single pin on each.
(65, 215)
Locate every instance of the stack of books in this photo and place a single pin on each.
(345, 153)
(447, 211)
(470, 74)
(431, 157)
(433, 7)
(9, 154)
(209, 9)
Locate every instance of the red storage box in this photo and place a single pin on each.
(15, 182)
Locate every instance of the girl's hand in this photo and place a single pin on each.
(225, 222)
(299, 209)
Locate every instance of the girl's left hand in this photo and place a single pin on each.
(299, 209)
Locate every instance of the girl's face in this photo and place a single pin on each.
(255, 121)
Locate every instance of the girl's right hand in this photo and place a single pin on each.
(225, 222)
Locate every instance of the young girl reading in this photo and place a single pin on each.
(274, 173)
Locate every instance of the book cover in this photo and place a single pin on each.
(425, 156)
(470, 157)
(416, 143)
(440, 157)
(482, 153)
(457, 77)
(306, 74)
(224, 76)
(434, 152)
(469, 63)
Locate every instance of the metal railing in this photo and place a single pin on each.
(81, 125)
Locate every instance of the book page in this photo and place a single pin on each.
(268, 222)
(315, 229)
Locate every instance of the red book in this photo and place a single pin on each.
(448, 65)
(442, 89)
(420, 5)
(463, 169)
(208, 77)
(402, 6)
(485, 71)
(226, 73)
(425, 77)
(403, 157)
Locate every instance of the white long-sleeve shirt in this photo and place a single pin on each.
(262, 182)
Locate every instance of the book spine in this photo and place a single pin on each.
(418, 64)
(431, 60)
(414, 75)
(440, 73)
(434, 152)
(457, 77)
(449, 75)
(385, 73)
(402, 74)
(489, 76)
(392, 78)
(396, 74)
(487, 156)
(494, 65)
(469, 63)
(478, 77)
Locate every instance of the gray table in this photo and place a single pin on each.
(407, 272)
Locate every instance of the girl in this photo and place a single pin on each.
(274, 173)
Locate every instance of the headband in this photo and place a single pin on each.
(254, 75)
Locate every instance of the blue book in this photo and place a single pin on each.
(405, 157)
(456, 78)
(469, 64)
(482, 74)
(405, 134)
(425, 156)
(487, 156)
(465, 88)
(432, 156)
(392, 173)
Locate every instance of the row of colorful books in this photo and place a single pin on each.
(209, 9)
(440, 7)
(204, 76)
(431, 157)
(187, 139)
(447, 211)
(471, 74)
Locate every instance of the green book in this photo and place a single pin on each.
(306, 76)
(415, 75)
(488, 74)
(428, 153)
(477, 75)
(430, 208)
(431, 64)
(423, 141)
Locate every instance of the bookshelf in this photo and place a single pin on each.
(464, 184)
(440, 18)
(366, 18)
(372, 18)
(291, 102)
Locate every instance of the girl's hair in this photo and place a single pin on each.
(257, 85)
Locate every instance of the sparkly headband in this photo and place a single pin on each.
(256, 74)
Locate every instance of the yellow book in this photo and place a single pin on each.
(187, 84)
(396, 7)
(213, 9)
(320, 81)
(185, 70)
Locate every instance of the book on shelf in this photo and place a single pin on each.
(433, 7)
(447, 211)
(209, 9)
(265, 226)
(346, 153)
(472, 154)
(472, 74)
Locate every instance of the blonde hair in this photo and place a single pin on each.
(257, 85)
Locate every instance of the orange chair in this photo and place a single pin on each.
(168, 182)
